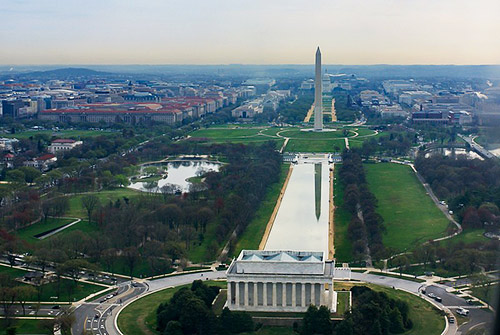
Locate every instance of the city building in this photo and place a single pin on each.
(436, 117)
(395, 86)
(372, 98)
(8, 143)
(280, 281)
(410, 97)
(42, 163)
(63, 144)
(461, 117)
(391, 111)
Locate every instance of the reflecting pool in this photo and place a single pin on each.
(302, 219)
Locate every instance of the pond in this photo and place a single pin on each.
(302, 219)
(178, 172)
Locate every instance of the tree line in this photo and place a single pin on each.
(161, 229)
(189, 311)
(366, 226)
(375, 313)
(470, 186)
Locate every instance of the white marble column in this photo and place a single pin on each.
(255, 295)
(303, 294)
(283, 295)
(274, 295)
(264, 294)
(229, 298)
(237, 294)
(245, 299)
(321, 294)
(313, 295)
(294, 294)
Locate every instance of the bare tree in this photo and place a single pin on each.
(90, 202)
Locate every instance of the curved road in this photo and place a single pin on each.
(99, 317)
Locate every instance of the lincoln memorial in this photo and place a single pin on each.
(280, 281)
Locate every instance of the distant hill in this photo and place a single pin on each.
(72, 72)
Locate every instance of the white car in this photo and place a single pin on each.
(463, 311)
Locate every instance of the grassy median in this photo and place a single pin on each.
(410, 215)
(139, 318)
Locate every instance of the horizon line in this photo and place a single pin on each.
(250, 64)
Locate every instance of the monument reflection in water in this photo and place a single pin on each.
(302, 219)
(317, 189)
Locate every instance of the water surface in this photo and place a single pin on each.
(179, 172)
(302, 219)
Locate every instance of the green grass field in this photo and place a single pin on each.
(410, 216)
(229, 133)
(420, 270)
(342, 303)
(75, 201)
(244, 135)
(311, 135)
(11, 272)
(60, 134)
(28, 234)
(468, 236)
(83, 226)
(315, 145)
(486, 295)
(343, 246)
(252, 235)
(67, 291)
(25, 327)
(139, 318)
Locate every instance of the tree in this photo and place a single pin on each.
(16, 176)
(173, 328)
(90, 202)
(25, 293)
(131, 255)
(47, 206)
(168, 189)
(121, 180)
(401, 262)
(316, 321)
(30, 174)
(396, 326)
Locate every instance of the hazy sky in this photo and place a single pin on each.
(249, 32)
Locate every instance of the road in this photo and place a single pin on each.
(99, 316)
(449, 301)
(107, 311)
(476, 147)
(92, 316)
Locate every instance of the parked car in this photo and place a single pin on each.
(463, 311)
(438, 299)
(431, 295)
(451, 319)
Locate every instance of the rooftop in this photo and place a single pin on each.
(281, 262)
(281, 256)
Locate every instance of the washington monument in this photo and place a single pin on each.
(318, 99)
